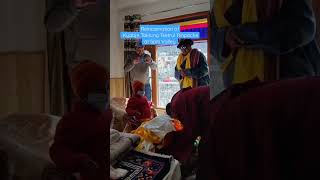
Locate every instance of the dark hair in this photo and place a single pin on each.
(185, 42)
(168, 109)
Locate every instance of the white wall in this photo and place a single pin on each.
(116, 44)
(22, 25)
(148, 10)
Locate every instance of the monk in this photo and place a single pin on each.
(81, 140)
(254, 130)
(138, 107)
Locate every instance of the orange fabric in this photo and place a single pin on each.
(177, 124)
(88, 76)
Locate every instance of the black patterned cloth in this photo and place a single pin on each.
(142, 166)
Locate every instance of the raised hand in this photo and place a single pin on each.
(136, 61)
(148, 59)
(232, 40)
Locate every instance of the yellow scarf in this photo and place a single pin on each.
(145, 135)
(249, 63)
(186, 81)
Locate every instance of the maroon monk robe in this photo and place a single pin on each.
(254, 130)
(268, 132)
(82, 134)
(190, 106)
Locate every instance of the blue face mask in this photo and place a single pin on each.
(141, 93)
(98, 100)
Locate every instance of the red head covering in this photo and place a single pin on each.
(87, 77)
(137, 86)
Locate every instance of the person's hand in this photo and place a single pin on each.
(148, 59)
(232, 40)
(183, 74)
(83, 3)
(136, 61)
(134, 122)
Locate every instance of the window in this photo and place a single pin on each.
(164, 84)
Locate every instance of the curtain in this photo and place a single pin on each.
(132, 24)
(316, 8)
(59, 18)
(56, 73)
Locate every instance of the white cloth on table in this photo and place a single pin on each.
(26, 138)
(160, 126)
(117, 173)
(120, 144)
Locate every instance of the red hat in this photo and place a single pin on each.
(87, 77)
(137, 86)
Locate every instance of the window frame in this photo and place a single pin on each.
(153, 49)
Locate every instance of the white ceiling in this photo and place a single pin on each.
(124, 4)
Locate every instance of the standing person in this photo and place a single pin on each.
(81, 138)
(191, 69)
(268, 39)
(139, 66)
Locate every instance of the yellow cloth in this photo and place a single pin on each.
(249, 63)
(145, 135)
(186, 81)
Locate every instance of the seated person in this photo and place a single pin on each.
(138, 107)
(81, 138)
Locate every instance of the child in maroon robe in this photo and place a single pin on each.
(81, 140)
(138, 106)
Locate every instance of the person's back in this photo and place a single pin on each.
(253, 130)
(81, 137)
(264, 131)
(191, 107)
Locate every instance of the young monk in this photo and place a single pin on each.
(81, 140)
(252, 131)
(138, 106)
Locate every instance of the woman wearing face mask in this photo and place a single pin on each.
(138, 106)
(81, 141)
(192, 68)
